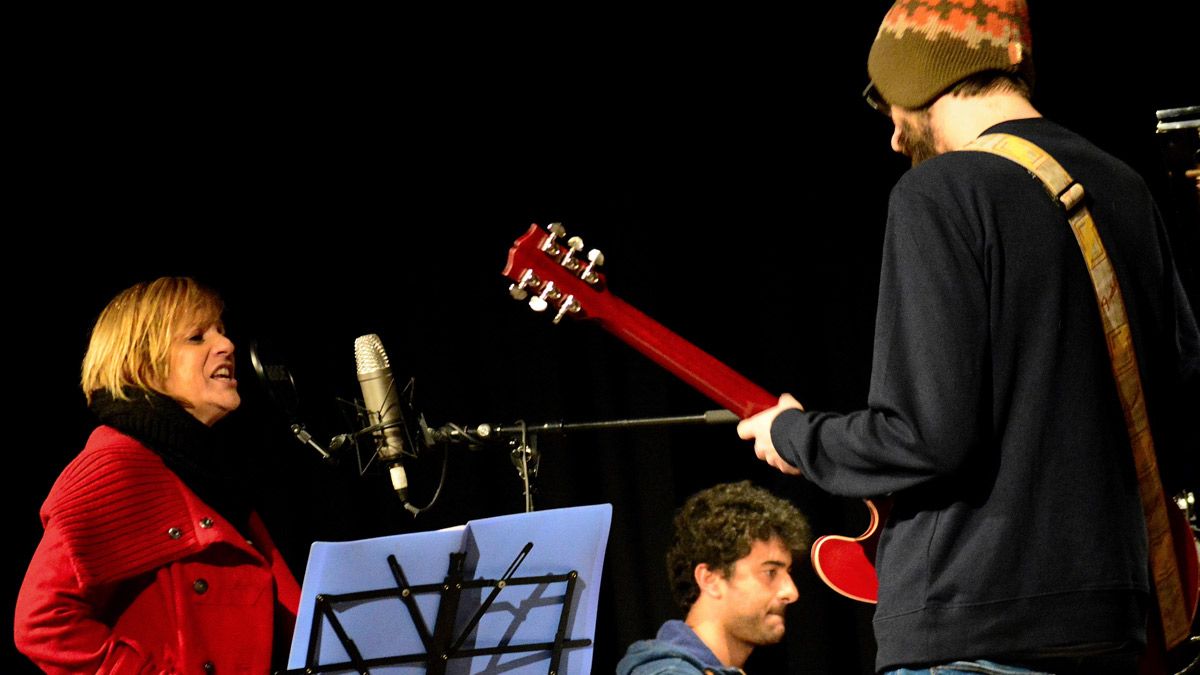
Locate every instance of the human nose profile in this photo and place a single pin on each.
(788, 591)
(223, 344)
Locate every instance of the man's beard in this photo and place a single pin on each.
(916, 138)
(753, 629)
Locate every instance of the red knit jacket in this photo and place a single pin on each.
(134, 574)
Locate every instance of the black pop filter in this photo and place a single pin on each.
(275, 378)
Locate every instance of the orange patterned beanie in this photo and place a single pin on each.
(924, 47)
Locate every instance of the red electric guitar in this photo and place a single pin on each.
(549, 271)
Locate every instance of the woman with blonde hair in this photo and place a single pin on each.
(152, 559)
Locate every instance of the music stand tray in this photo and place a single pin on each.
(512, 594)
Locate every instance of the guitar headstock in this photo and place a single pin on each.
(550, 270)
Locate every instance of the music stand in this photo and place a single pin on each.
(512, 594)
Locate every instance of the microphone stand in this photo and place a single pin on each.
(522, 437)
(709, 417)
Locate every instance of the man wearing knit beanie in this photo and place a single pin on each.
(925, 48)
(1016, 535)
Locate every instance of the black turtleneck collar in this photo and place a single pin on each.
(189, 448)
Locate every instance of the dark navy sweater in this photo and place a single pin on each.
(993, 420)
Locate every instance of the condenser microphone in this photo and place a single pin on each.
(383, 405)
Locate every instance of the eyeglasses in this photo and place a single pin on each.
(874, 99)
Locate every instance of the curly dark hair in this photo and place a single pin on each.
(718, 525)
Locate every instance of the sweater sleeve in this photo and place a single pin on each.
(924, 415)
(59, 626)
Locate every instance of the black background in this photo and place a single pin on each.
(336, 175)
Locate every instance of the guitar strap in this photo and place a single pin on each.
(1069, 194)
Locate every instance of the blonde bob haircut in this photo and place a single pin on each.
(131, 341)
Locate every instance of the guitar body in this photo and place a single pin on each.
(548, 271)
(1159, 657)
(847, 564)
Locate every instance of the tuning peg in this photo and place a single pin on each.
(539, 303)
(569, 306)
(528, 280)
(554, 231)
(569, 261)
(1186, 500)
(596, 259)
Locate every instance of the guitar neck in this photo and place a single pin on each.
(693, 365)
(539, 263)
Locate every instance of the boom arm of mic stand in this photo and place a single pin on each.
(523, 436)
(487, 432)
(710, 417)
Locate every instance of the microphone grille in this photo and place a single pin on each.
(369, 355)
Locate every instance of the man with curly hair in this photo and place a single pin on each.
(729, 568)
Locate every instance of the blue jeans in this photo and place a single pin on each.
(966, 668)
(1122, 663)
